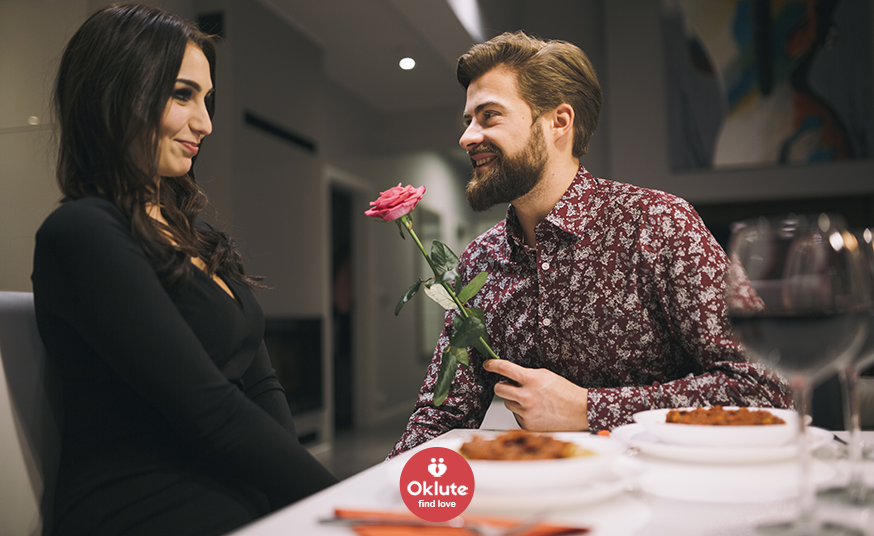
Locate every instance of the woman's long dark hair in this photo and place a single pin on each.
(115, 79)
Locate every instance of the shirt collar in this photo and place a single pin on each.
(513, 229)
(570, 214)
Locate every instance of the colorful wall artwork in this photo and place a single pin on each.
(767, 82)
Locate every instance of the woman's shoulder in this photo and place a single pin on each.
(81, 211)
(85, 216)
(76, 236)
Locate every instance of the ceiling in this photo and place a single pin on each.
(363, 40)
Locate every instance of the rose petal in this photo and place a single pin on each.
(395, 202)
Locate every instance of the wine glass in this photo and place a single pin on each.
(856, 492)
(797, 301)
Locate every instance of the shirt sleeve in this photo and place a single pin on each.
(95, 278)
(687, 268)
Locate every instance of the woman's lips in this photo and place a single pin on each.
(192, 147)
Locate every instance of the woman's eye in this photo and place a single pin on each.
(182, 94)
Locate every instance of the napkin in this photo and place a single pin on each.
(541, 529)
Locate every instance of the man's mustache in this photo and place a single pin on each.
(484, 149)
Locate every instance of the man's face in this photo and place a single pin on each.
(506, 148)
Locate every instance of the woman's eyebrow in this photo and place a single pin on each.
(191, 83)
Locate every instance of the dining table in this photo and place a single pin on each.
(648, 491)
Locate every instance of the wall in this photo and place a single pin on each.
(274, 196)
(28, 61)
(278, 199)
(582, 26)
(397, 263)
(637, 126)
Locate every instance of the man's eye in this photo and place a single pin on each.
(489, 115)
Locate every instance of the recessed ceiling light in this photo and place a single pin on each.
(407, 63)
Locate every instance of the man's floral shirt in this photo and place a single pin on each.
(623, 296)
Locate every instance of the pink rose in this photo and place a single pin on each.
(395, 202)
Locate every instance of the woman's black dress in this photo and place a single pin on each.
(174, 421)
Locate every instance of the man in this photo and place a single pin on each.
(603, 299)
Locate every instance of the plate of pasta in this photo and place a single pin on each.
(721, 427)
(521, 460)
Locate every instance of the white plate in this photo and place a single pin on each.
(514, 475)
(611, 483)
(703, 435)
(637, 436)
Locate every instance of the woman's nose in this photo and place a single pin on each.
(201, 122)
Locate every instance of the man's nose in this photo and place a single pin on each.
(472, 136)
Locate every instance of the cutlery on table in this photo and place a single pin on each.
(477, 525)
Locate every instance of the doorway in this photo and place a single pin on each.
(342, 292)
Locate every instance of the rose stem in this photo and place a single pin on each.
(408, 223)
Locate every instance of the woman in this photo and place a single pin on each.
(174, 420)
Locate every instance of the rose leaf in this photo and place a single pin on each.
(443, 258)
(468, 332)
(460, 355)
(448, 366)
(408, 295)
(438, 294)
(473, 287)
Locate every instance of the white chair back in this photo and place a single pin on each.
(30, 420)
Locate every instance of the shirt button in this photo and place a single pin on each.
(545, 266)
(547, 322)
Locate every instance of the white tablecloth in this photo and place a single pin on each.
(661, 497)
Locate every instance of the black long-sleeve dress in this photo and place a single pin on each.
(174, 421)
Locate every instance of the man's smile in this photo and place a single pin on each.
(482, 160)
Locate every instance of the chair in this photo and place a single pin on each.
(30, 420)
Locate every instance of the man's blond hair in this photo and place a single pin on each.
(548, 73)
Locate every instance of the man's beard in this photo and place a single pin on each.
(511, 177)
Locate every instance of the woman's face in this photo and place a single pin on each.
(186, 121)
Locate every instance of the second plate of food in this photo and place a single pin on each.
(780, 428)
(585, 458)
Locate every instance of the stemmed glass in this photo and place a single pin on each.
(856, 492)
(798, 302)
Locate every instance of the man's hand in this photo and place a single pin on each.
(542, 401)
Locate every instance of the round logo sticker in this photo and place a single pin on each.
(437, 484)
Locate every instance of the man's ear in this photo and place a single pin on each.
(562, 124)
(563, 117)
